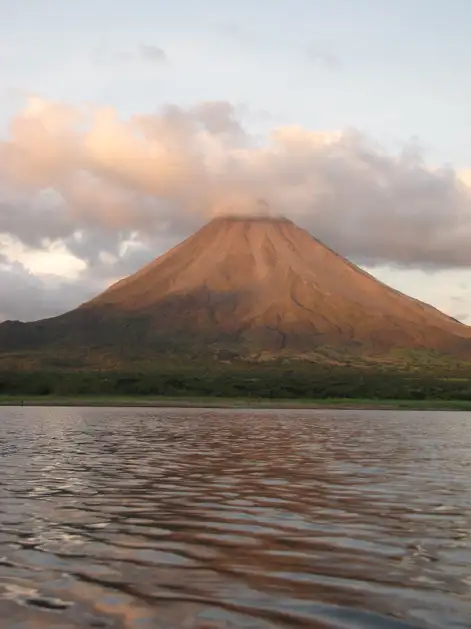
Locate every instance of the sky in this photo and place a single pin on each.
(125, 126)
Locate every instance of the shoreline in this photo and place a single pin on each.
(234, 403)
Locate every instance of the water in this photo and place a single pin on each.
(156, 518)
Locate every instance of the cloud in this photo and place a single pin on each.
(460, 306)
(30, 296)
(151, 53)
(235, 33)
(25, 296)
(218, 118)
(320, 55)
(89, 179)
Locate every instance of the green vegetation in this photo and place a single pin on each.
(245, 384)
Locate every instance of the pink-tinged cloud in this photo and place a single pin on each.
(65, 170)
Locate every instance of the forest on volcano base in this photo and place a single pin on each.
(272, 381)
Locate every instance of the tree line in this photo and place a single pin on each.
(249, 382)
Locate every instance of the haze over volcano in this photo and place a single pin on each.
(251, 285)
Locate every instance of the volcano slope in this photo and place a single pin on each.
(248, 287)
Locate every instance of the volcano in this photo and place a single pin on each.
(248, 287)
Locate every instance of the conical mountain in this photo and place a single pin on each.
(250, 285)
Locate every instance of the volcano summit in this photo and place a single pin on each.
(248, 286)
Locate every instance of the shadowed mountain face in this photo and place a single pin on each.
(248, 285)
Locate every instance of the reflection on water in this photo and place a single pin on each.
(158, 518)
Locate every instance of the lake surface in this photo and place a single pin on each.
(168, 518)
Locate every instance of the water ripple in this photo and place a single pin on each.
(139, 519)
